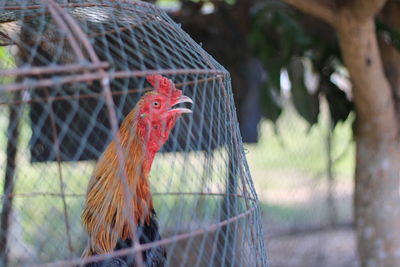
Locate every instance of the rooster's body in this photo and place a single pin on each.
(119, 207)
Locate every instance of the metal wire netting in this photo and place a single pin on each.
(70, 73)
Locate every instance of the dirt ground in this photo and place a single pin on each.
(329, 248)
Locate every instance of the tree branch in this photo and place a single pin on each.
(363, 9)
(317, 8)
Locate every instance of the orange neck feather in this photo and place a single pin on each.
(115, 203)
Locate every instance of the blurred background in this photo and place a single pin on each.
(295, 108)
(294, 105)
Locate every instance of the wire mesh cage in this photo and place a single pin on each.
(71, 73)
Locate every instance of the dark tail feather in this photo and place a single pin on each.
(114, 262)
(153, 257)
(156, 256)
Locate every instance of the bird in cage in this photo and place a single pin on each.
(118, 208)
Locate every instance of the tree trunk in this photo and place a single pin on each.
(376, 201)
(331, 183)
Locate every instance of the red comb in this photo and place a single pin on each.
(163, 85)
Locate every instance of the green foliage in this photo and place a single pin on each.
(392, 34)
(2, 54)
(307, 104)
(6, 61)
(271, 106)
(281, 41)
(339, 106)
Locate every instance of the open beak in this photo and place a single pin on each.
(182, 99)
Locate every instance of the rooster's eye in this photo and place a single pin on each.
(156, 104)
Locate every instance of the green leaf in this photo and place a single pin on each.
(394, 36)
(6, 61)
(339, 106)
(306, 103)
(270, 104)
(276, 36)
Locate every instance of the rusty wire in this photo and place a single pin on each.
(94, 95)
(82, 68)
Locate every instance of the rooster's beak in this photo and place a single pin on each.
(182, 99)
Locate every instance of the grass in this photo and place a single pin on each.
(289, 166)
(292, 146)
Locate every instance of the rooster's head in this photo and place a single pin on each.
(158, 113)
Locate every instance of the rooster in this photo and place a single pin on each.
(118, 207)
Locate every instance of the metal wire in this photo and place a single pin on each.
(77, 69)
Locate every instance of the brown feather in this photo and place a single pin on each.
(106, 216)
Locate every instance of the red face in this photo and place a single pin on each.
(158, 114)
